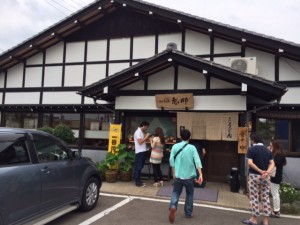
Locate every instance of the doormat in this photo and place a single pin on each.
(203, 194)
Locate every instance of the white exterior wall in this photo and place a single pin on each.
(210, 103)
(22, 98)
(15, 76)
(163, 80)
(119, 49)
(35, 60)
(75, 52)
(291, 173)
(143, 47)
(190, 79)
(94, 73)
(74, 75)
(289, 69)
(54, 54)
(53, 76)
(291, 96)
(58, 97)
(222, 46)
(264, 63)
(96, 50)
(196, 43)
(33, 77)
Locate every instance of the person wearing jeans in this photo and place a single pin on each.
(183, 159)
(140, 151)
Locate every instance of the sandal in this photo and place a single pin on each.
(246, 221)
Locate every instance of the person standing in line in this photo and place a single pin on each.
(260, 162)
(183, 159)
(157, 147)
(140, 152)
(280, 161)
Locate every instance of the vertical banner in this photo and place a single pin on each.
(114, 137)
(243, 140)
(229, 126)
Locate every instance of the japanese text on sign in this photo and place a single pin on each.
(175, 101)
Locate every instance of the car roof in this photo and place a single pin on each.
(18, 130)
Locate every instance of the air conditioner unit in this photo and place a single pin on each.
(245, 65)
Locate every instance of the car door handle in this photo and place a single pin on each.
(45, 170)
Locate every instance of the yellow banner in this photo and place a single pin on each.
(114, 137)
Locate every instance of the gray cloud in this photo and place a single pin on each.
(21, 19)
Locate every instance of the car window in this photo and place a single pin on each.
(13, 151)
(49, 149)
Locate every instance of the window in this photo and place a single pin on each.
(21, 120)
(287, 131)
(71, 120)
(48, 150)
(13, 151)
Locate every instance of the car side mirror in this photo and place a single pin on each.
(76, 154)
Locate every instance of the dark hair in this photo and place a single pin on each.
(256, 138)
(144, 123)
(185, 134)
(159, 133)
(278, 150)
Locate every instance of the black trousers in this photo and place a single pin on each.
(157, 175)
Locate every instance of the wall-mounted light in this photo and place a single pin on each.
(150, 12)
(169, 60)
(210, 30)
(136, 74)
(280, 50)
(244, 40)
(53, 34)
(30, 46)
(204, 71)
(99, 8)
(124, 5)
(178, 21)
(75, 21)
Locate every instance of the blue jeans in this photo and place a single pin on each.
(189, 199)
(140, 159)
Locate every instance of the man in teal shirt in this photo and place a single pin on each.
(183, 160)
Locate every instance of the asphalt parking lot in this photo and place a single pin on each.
(130, 210)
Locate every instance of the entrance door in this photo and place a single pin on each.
(221, 156)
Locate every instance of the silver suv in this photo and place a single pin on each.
(41, 177)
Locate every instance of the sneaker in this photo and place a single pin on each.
(275, 214)
(172, 214)
(189, 216)
(140, 184)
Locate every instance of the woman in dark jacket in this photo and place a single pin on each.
(280, 161)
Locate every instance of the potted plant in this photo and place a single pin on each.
(111, 173)
(126, 162)
(102, 167)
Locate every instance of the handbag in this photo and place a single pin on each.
(273, 172)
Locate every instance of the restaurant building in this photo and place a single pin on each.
(125, 61)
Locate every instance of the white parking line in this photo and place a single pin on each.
(130, 198)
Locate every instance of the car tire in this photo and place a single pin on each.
(90, 195)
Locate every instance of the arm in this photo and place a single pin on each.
(143, 140)
(254, 167)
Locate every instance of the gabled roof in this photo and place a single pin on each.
(99, 9)
(110, 87)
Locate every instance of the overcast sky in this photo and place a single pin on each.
(22, 19)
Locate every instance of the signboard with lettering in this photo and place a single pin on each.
(175, 101)
(114, 137)
(243, 144)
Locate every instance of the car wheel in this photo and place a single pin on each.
(90, 194)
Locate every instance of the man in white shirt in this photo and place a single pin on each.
(140, 152)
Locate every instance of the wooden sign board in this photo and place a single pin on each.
(243, 144)
(175, 101)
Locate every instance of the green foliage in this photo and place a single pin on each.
(126, 158)
(102, 167)
(46, 129)
(111, 160)
(288, 194)
(64, 133)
